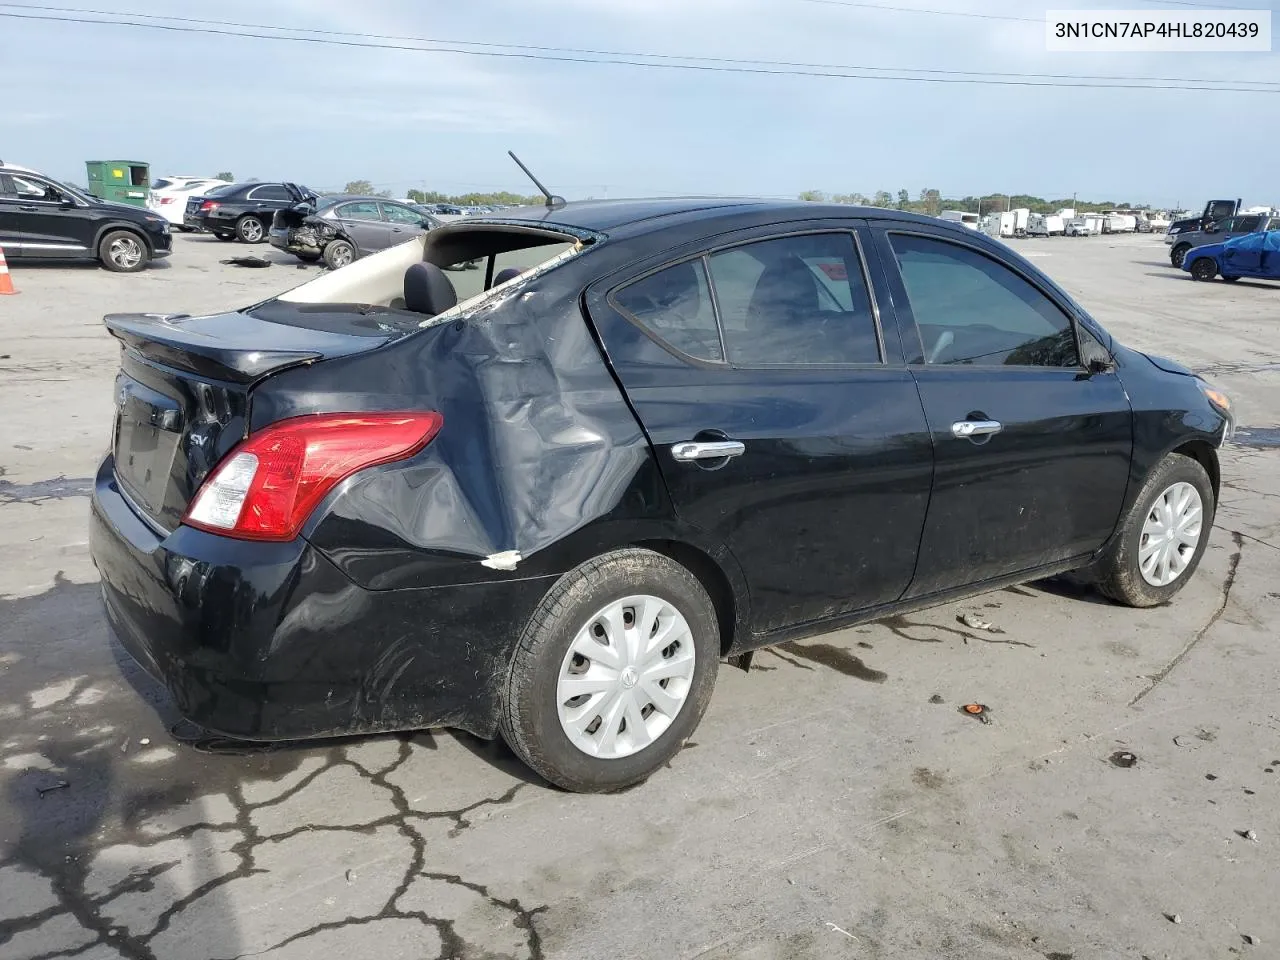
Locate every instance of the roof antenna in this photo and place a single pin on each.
(552, 200)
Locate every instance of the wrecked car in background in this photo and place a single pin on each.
(546, 499)
(344, 228)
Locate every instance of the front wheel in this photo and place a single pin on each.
(613, 672)
(1203, 269)
(1162, 537)
(1177, 254)
(123, 251)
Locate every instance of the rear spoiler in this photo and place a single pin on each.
(219, 347)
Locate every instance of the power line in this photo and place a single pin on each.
(843, 73)
(941, 13)
(626, 53)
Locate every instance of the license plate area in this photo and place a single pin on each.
(149, 427)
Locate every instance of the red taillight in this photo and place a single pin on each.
(209, 205)
(268, 485)
(166, 199)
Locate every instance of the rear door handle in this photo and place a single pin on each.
(964, 429)
(29, 207)
(691, 450)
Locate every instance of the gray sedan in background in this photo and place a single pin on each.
(341, 229)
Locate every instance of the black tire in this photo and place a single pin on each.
(338, 253)
(1230, 279)
(123, 251)
(1177, 254)
(1118, 575)
(1203, 269)
(250, 230)
(308, 257)
(222, 235)
(530, 720)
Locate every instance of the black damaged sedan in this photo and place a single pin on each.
(649, 436)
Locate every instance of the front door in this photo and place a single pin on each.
(1032, 450)
(787, 430)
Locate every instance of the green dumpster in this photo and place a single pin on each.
(120, 181)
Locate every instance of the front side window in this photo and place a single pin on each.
(971, 309)
(28, 188)
(361, 210)
(398, 214)
(795, 300)
(675, 305)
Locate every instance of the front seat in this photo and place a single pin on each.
(427, 289)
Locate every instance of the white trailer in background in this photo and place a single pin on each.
(1020, 217)
(999, 225)
(970, 220)
(1045, 225)
(1066, 213)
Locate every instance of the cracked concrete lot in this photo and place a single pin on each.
(835, 801)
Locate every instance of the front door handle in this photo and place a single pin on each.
(964, 429)
(691, 450)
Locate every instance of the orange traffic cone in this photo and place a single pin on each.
(6, 283)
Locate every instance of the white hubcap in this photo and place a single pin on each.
(625, 677)
(1171, 534)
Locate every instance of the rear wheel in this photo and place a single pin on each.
(1162, 537)
(123, 251)
(1203, 269)
(223, 235)
(613, 672)
(1178, 253)
(251, 230)
(338, 253)
(308, 257)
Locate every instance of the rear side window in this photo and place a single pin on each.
(1247, 224)
(675, 304)
(361, 210)
(161, 183)
(970, 309)
(795, 300)
(270, 191)
(398, 214)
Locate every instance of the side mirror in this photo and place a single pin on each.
(1100, 365)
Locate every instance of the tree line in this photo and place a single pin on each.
(932, 202)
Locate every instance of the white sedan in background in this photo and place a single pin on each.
(169, 196)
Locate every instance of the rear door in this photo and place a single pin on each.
(13, 226)
(51, 224)
(786, 427)
(1032, 450)
(363, 223)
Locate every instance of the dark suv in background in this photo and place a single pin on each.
(41, 218)
(242, 211)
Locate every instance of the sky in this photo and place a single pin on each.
(321, 114)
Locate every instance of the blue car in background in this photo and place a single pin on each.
(1255, 255)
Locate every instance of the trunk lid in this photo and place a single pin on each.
(185, 385)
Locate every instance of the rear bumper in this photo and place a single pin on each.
(271, 641)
